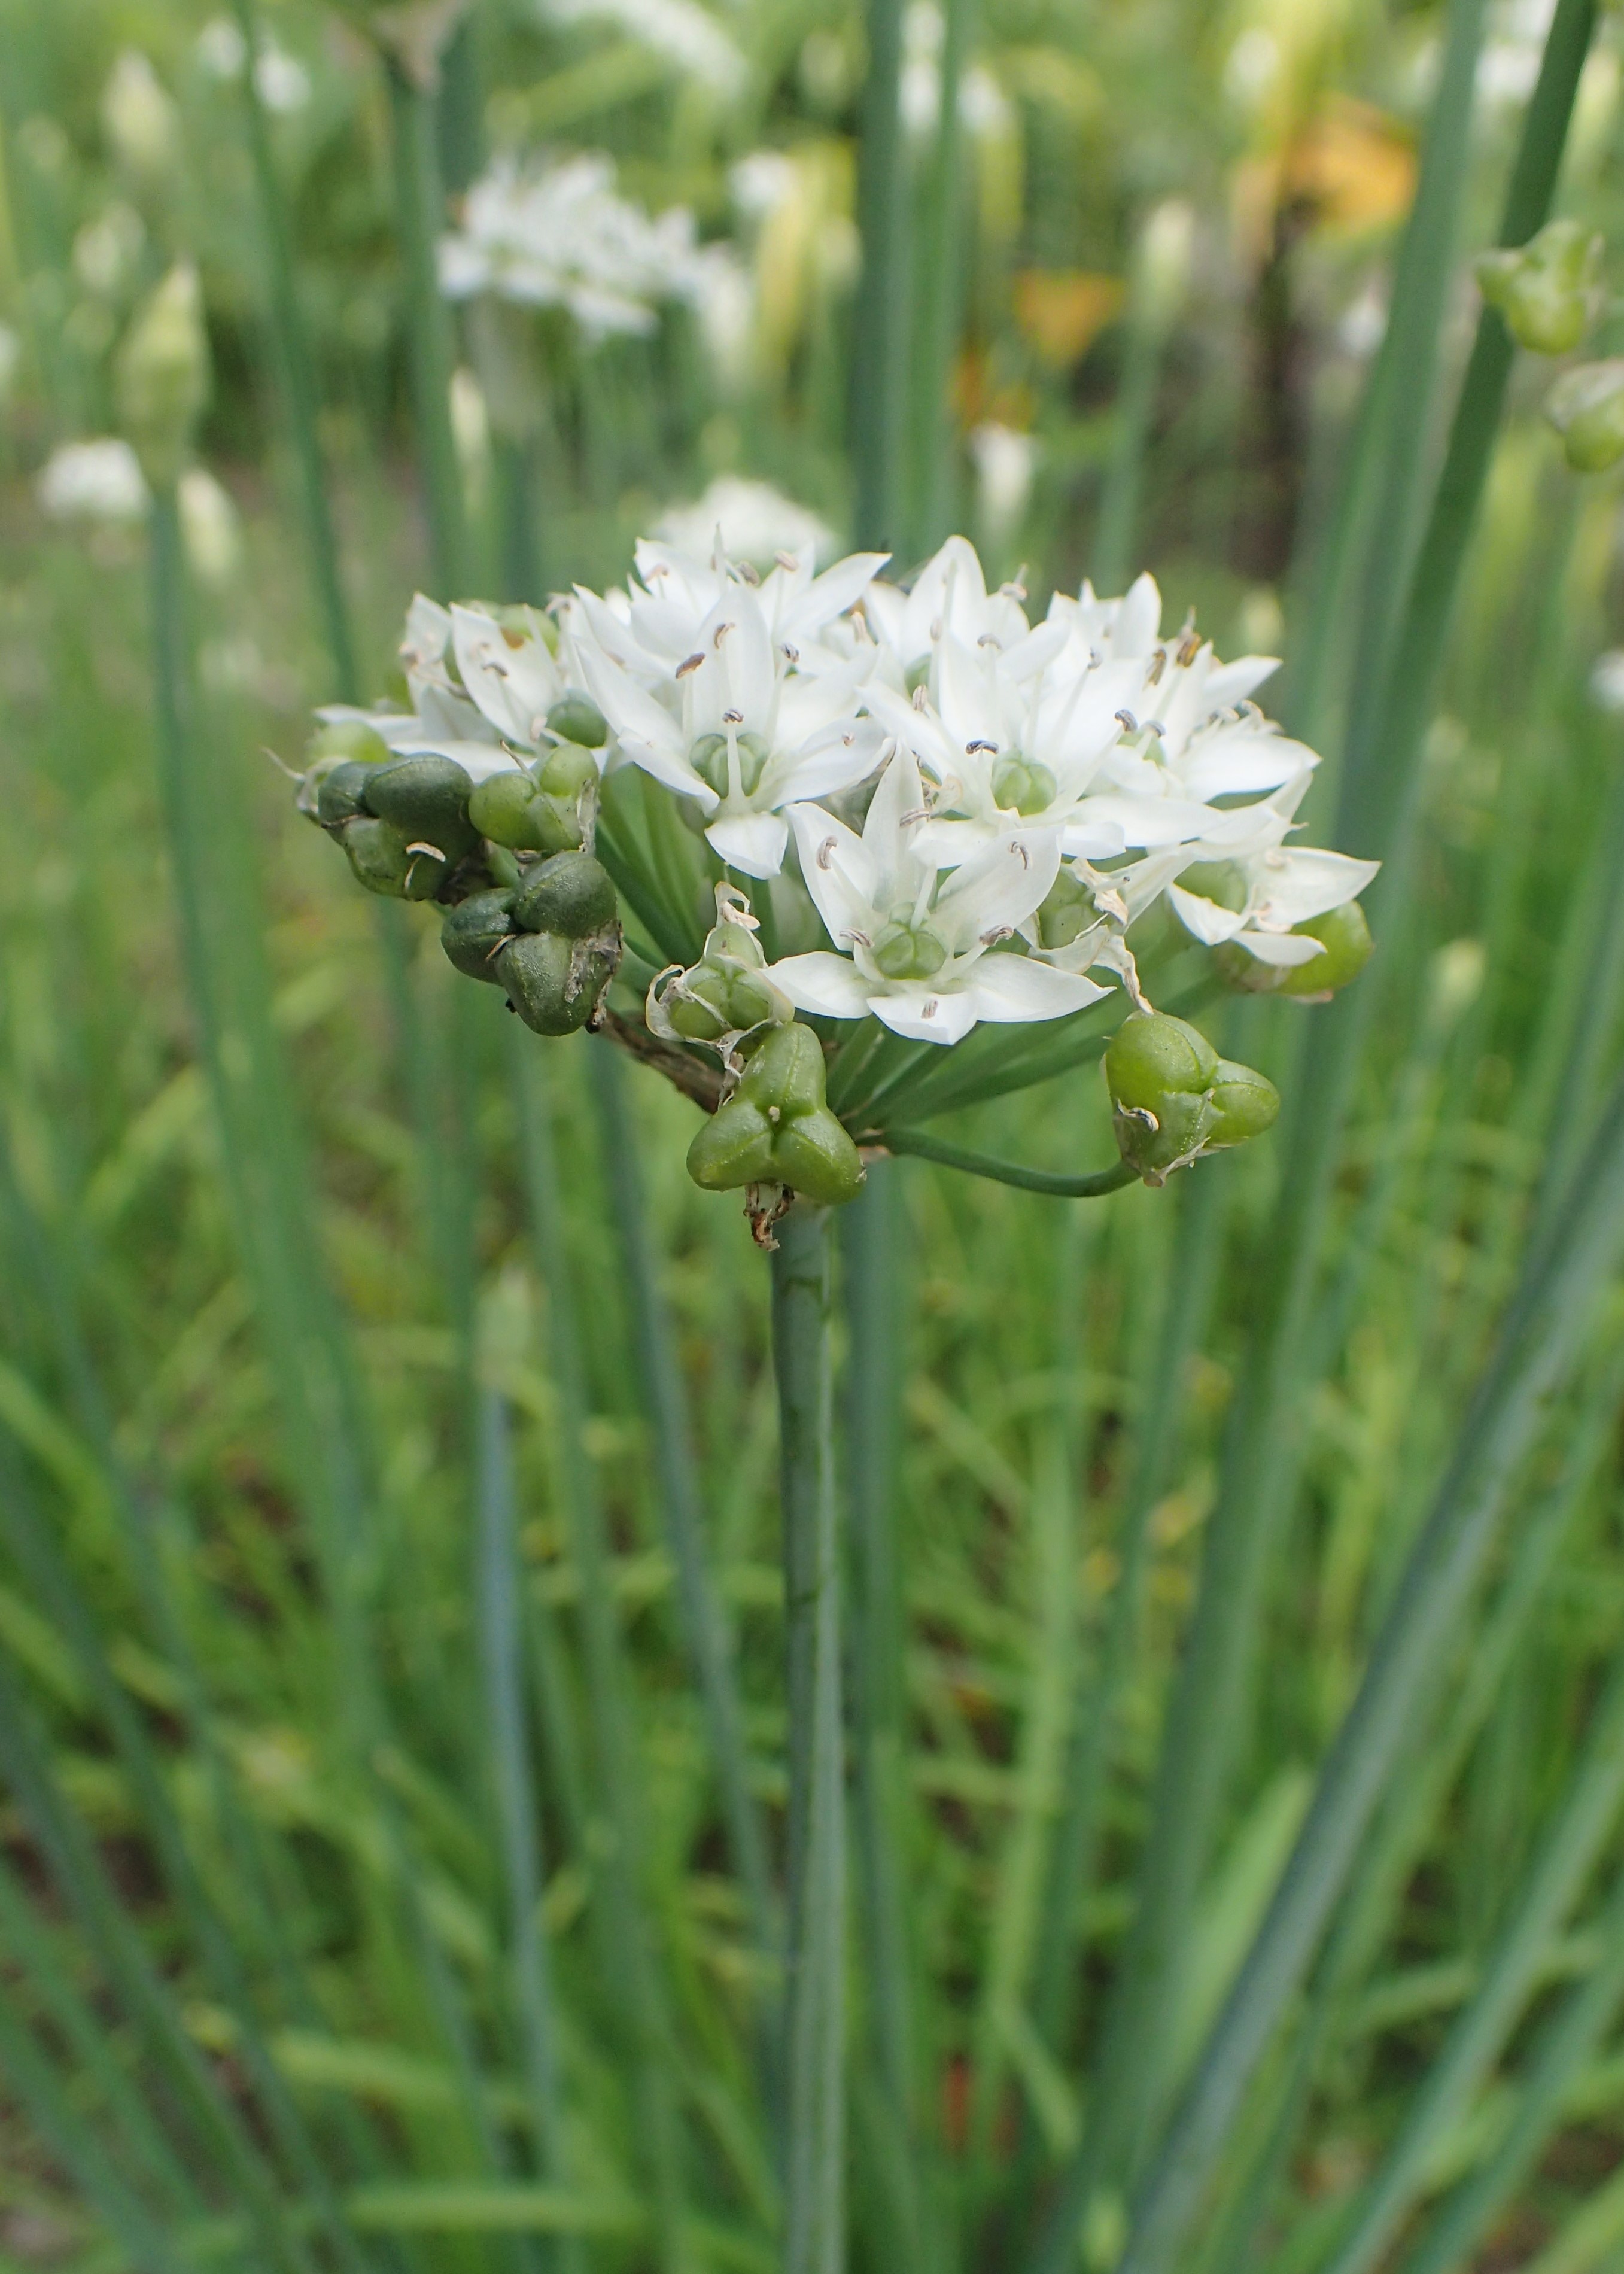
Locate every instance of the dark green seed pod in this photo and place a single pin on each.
(571, 894)
(473, 932)
(552, 982)
(813, 1155)
(383, 860)
(1245, 1103)
(776, 1128)
(787, 1071)
(426, 796)
(341, 794)
(577, 719)
(733, 1148)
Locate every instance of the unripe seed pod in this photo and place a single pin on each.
(1160, 1074)
(1151, 1055)
(700, 1012)
(572, 894)
(508, 809)
(1244, 1104)
(902, 952)
(553, 982)
(382, 859)
(566, 769)
(426, 796)
(776, 1128)
(1346, 938)
(577, 719)
(1586, 407)
(473, 933)
(340, 795)
(1546, 290)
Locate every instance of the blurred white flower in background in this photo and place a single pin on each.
(139, 117)
(470, 430)
(560, 236)
(1005, 463)
(686, 34)
(97, 481)
(984, 108)
(1607, 680)
(107, 250)
(281, 79)
(758, 523)
(221, 48)
(210, 526)
(723, 298)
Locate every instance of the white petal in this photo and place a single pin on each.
(926, 1018)
(837, 869)
(752, 842)
(1281, 948)
(1290, 888)
(1138, 619)
(996, 890)
(827, 985)
(1229, 684)
(1011, 988)
(831, 594)
(1208, 922)
(837, 763)
(658, 760)
(1237, 759)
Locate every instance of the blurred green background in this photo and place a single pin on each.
(247, 1241)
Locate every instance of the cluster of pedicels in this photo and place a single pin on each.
(911, 807)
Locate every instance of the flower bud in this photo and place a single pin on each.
(577, 719)
(1160, 1073)
(1244, 1104)
(387, 861)
(161, 379)
(553, 982)
(777, 1127)
(572, 894)
(1586, 407)
(474, 932)
(1546, 290)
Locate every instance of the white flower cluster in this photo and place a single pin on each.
(1021, 793)
(560, 236)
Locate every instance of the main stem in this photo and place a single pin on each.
(814, 2179)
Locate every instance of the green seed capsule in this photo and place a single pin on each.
(577, 719)
(382, 859)
(700, 1013)
(572, 894)
(710, 761)
(341, 792)
(1151, 1056)
(473, 932)
(552, 982)
(1346, 938)
(426, 796)
(1022, 784)
(776, 1128)
(1244, 1104)
(567, 771)
(1546, 290)
(508, 809)
(1160, 1074)
(1586, 407)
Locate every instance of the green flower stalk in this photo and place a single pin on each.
(161, 376)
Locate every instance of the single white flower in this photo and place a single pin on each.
(93, 481)
(687, 36)
(1021, 741)
(949, 595)
(1252, 888)
(729, 723)
(658, 620)
(918, 945)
